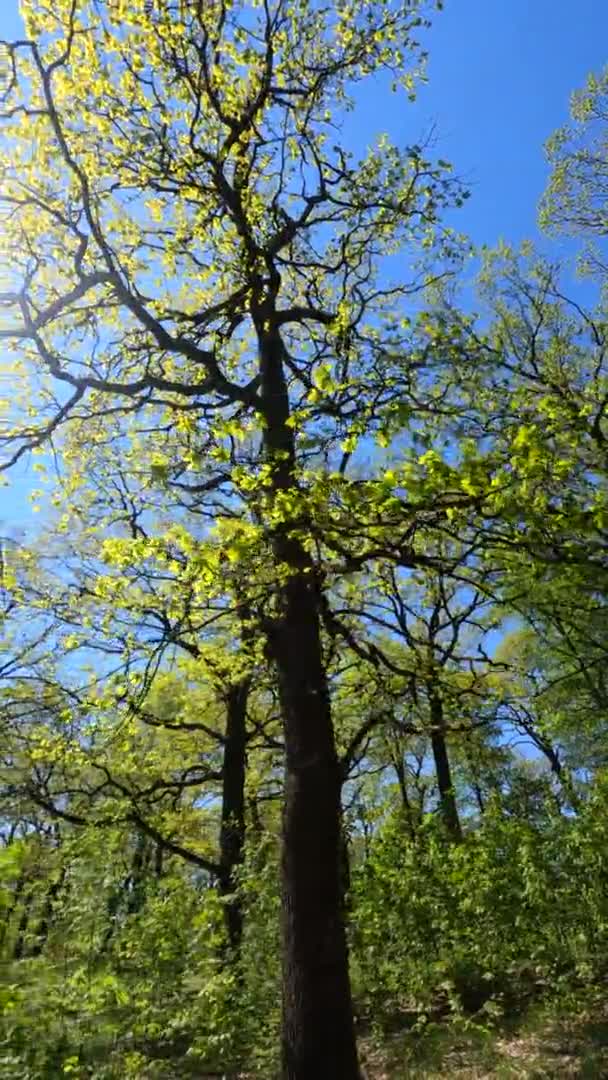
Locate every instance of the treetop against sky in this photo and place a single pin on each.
(499, 82)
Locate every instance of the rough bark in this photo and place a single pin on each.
(318, 1032)
(318, 1039)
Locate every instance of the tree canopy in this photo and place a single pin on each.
(322, 548)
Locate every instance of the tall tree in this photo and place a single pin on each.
(195, 247)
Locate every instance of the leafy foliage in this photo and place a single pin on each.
(324, 550)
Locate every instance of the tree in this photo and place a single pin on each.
(575, 200)
(196, 249)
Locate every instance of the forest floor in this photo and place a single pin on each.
(542, 1046)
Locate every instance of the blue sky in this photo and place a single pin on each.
(500, 76)
(501, 73)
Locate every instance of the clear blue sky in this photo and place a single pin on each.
(501, 73)
(500, 76)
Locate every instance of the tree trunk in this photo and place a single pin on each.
(561, 774)
(19, 946)
(158, 861)
(318, 1039)
(412, 822)
(345, 875)
(479, 798)
(447, 801)
(318, 1031)
(232, 827)
(46, 921)
(8, 915)
(136, 883)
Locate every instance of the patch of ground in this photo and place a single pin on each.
(543, 1047)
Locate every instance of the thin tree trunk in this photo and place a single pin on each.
(408, 811)
(479, 798)
(19, 946)
(232, 827)
(8, 915)
(345, 875)
(46, 920)
(136, 882)
(561, 774)
(474, 770)
(318, 1038)
(447, 800)
(158, 861)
